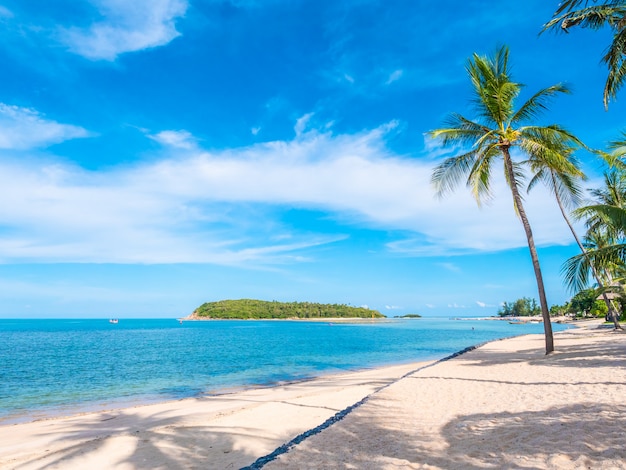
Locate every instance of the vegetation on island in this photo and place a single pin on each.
(524, 307)
(260, 309)
(410, 315)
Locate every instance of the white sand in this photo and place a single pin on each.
(504, 405)
(223, 432)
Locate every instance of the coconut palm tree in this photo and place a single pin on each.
(564, 184)
(597, 15)
(498, 130)
(605, 241)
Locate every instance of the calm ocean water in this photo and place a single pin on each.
(51, 367)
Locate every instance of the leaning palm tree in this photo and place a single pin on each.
(605, 254)
(497, 130)
(597, 15)
(564, 182)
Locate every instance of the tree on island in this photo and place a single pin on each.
(524, 307)
(497, 130)
(609, 13)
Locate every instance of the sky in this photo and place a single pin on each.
(158, 154)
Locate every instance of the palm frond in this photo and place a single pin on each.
(576, 270)
(610, 219)
(566, 188)
(494, 92)
(611, 14)
(479, 178)
(459, 130)
(447, 175)
(537, 103)
(615, 58)
(594, 17)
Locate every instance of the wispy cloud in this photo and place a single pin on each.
(220, 207)
(5, 12)
(126, 26)
(394, 76)
(24, 128)
(450, 267)
(176, 139)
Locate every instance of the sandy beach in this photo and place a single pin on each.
(502, 405)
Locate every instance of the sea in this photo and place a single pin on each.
(60, 367)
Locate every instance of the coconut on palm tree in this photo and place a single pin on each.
(597, 15)
(498, 133)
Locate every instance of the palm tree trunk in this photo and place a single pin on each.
(609, 304)
(517, 199)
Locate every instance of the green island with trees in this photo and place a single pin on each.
(249, 309)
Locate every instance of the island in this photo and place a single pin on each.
(249, 309)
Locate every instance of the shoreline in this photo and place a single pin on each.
(116, 405)
(120, 403)
(78, 409)
(239, 427)
(235, 429)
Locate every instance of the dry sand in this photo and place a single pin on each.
(503, 405)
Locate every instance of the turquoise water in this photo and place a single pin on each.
(49, 367)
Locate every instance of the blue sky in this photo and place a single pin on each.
(157, 154)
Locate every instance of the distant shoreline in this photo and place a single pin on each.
(316, 320)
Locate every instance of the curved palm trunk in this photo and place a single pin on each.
(517, 199)
(609, 304)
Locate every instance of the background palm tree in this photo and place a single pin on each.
(605, 240)
(497, 130)
(597, 15)
(565, 186)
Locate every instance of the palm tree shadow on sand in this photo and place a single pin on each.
(150, 442)
(560, 437)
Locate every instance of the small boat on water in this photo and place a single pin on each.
(113, 320)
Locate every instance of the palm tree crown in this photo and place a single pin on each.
(597, 15)
(498, 128)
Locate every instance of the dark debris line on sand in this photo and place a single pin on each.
(262, 461)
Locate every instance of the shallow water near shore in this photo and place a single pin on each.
(52, 367)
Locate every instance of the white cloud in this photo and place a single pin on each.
(394, 76)
(220, 206)
(302, 123)
(481, 304)
(23, 128)
(126, 26)
(392, 307)
(176, 139)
